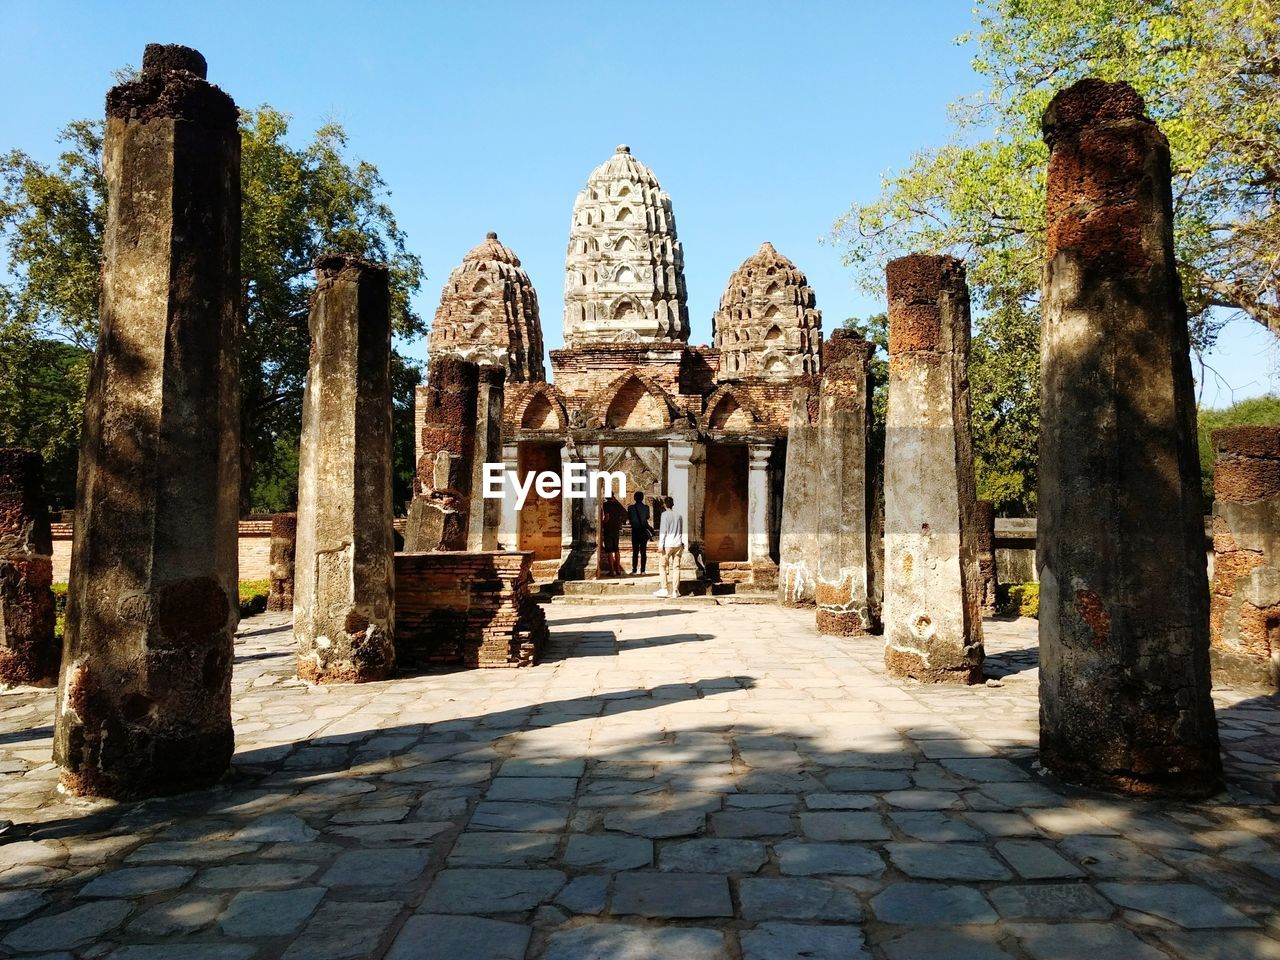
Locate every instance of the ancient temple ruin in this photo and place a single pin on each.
(488, 313)
(631, 395)
(624, 273)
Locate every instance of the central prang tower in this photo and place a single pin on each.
(624, 271)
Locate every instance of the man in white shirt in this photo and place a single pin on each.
(670, 547)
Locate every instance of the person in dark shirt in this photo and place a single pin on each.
(613, 516)
(641, 533)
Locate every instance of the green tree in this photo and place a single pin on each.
(1210, 73)
(297, 202)
(1245, 413)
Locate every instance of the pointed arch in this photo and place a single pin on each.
(480, 309)
(731, 410)
(773, 335)
(626, 308)
(624, 215)
(624, 274)
(632, 401)
(624, 244)
(536, 406)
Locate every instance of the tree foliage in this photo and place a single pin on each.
(1210, 73)
(297, 202)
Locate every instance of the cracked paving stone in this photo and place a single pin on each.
(284, 828)
(584, 895)
(445, 937)
(656, 824)
(266, 913)
(931, 904)
(502, 849)
(713, 855)
(843, 825)
(181, 914)
(750, 823)
(1036, 860)
(687, 895)
(16, 904)
(802, 941)
(523, 816)
(934, 826)
(798, 858)
(532, 788)
(866, 781)
(948, 944)
(1051, 901)
(1082, 941)
(137, 881)
(840, 801)
(70, 928)
(946, 861)
(343, 930)
(1221, 945)
(1189, 906)
(494, 890)
(1114, 858)
(376, 868)
(608, 852)
(615, 941)
(248, 875)
(796, 899)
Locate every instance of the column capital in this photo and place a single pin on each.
(758, 455)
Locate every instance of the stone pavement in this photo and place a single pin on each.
(675, 781)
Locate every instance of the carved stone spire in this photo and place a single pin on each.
(767, 324)
(624, 272)
(488, 313)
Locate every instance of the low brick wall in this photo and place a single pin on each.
(469, 609)
(255, 548)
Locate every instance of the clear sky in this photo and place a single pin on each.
(762, 120)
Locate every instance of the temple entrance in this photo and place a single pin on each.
(539, 523)
(725, 499)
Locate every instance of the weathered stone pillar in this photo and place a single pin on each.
(764, 572)
(144, 700)
(1124, 599)
(485, 514)
(686, 475)
(509, 525)
(344, 603)
(1244, 618)
(585, 523)
(28, 653)
(932, 627)
(798, 544)
(439, 514)
(284, 545)
(985, 528)
(845, 591)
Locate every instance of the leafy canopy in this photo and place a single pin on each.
(297, 202)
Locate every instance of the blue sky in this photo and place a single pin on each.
(763, 120)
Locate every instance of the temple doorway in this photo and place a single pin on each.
(725, 510)
(539, 523)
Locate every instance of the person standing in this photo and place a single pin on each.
(641, 531)
(615, 514)
(670, 547)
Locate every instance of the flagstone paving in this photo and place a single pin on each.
(675, 781)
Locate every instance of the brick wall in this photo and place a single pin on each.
(471, 609)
